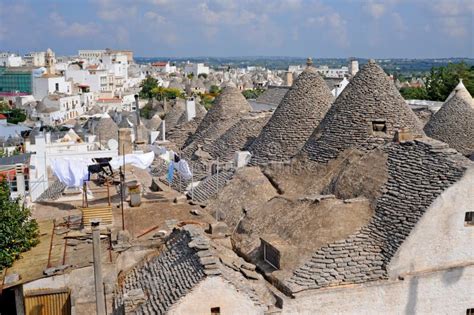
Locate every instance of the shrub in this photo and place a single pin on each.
(18, 232)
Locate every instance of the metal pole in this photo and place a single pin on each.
(99, 285)
(217, 187)
(192, 182)
(121, 197)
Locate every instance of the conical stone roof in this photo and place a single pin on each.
(228, 108)
(454, 124)
(461, 91)
(365, 115)
(299, 113)
(239, 137)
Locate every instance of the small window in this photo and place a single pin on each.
(469, 220)
(57, 87)
(215, 310)
(470, 311)
(271, 255)
(379, 126)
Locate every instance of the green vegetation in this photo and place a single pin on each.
(442, 80)
(190, 76)
(161, 93)
(147, 87)
(147, 111)
(215, 90)
(150, 89)
(252, 94)
(414, 93)
(14, 115)
(207, 101)
(18, 232)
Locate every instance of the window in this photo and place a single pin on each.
(217, 310)
(379, 126)
(469, 220)
(470, 311)
(57, 87)
(271, 255)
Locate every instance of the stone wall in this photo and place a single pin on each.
(300, 111)
(418, 172)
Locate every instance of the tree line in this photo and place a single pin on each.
(440, 82)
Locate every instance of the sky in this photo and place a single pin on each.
(227, 28)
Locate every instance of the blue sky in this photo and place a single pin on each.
(320, 28)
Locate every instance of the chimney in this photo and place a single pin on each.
(125, 141)
(20, 180)
(98, 281)
(289, 78)
(190, 108)
(309, 62)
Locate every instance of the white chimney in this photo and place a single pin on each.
(190, 108)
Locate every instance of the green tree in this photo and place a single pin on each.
(214, 90)
(207, 101)
(18, 232)
(442, 80)
(173, 93)
(147, 86)
(190, 76)
(414, 93)
(16, 115)
(252, 94)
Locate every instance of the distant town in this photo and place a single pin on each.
(246, 185)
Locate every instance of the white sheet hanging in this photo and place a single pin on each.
(142, 161)
(71, 172)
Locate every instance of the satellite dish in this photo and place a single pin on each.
(112, 144)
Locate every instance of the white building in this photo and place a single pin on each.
(124, 103)
(35, 59)
(327, 72)
(48, 84)
(10, 60)
(340, 87)
(57, 108)
(87, 100)
(195, 68)
(91, 54)
(164, 67)
(97, 79)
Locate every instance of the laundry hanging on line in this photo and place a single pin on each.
(74, 172)
(71, 172)
(142, 161)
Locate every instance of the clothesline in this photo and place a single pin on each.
(74, 171)
(175, 162)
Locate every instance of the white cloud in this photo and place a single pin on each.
(109, 10)
(335, 24)
(74, 29)
(376, 9)
(155, 17)
(455, 17)
(399, 24)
